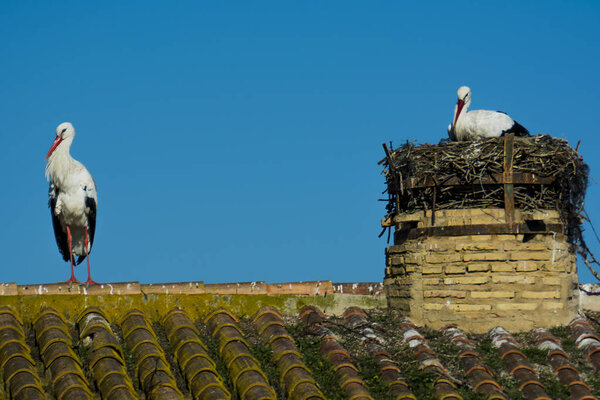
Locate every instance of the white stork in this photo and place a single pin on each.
(480, 124)
(73, 200)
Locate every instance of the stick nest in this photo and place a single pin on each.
(467, 164)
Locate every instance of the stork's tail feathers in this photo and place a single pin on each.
(518, 129)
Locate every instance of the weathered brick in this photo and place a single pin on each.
(461, 294)
(478, 267)
(483, 238)
(516, 306)
(483, 219)
(528, 246)
(431, 269)
(530, 255)
(395, 259)
(527, 266)
(553, 305)
(546, 294)
(433, 306)
(526, 280)
(551, 280)
(432, 281)
(502, 267)
(559, 267)
(469, 307)
(443, 258)
(439, 247)
(413, 258)
(399, 248)
(492, 294)
(480, 246)
(455, 269)
(491, 256)
(466, 280)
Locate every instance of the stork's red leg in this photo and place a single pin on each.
(70, 239)
(87, 258)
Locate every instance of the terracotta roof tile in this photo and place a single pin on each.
(105, 356)
(357, 319)
(56, 350)
(21, 380)
(480, 376)
(152, 369)
(202, 378)
(248, 378)
(347, 372)
(186, 347)
(295, 376)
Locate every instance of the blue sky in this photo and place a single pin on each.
(236, 141)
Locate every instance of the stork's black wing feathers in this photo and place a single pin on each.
(91, 217)
(60, 235)
(517, 129)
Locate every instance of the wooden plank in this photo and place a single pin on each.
(508, 179)
(533, 227)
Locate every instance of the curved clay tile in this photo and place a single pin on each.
(56, 351)
(152, 369)
(586, 339)
(479, 375)
(355, 318)
(518, 365)
(444, 386)
(350, 381)
(105, 356)
(249, 380)
(20, 377)
(559, 360)
(295, 376)
(199, 370)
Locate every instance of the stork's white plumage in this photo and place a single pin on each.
(73, 200)
(479, 124)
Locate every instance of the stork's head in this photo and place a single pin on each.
(464, 99)
(64, 131)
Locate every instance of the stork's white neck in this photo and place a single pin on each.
(463, 111)
(60, 162)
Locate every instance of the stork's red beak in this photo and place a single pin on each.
(55, 144)
(459, 107)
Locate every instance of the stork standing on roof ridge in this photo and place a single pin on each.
(73, 201)
(480, 124)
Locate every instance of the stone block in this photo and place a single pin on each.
(530, 256)
(443, 258)
(514, 278)
(466, 280)
(478, 267)
(517, 306)
(455, 269)
(469, 307)
(433, 306)
(546, 294)
(528, 246)
(502, 267)
(431, 269)
(491, 256)
(553, 305)
(432, 281)
(492, 294)
(528, 266)
(480, 246)
(551, 280)
(461, 294)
